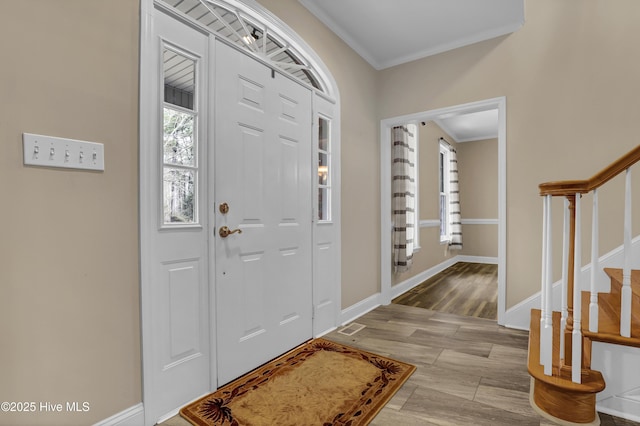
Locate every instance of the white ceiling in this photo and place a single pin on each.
(469, 127)
(391, 32)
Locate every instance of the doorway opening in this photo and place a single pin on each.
(393, 286)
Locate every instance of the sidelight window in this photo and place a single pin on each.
(324, 169)
(179, 144)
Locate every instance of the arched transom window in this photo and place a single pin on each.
(234, 22)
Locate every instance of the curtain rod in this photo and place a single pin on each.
(451, 148)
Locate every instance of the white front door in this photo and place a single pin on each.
(263, 175)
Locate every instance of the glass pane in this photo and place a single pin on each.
(179, 195)
(443, 215)
(323, 135)
(179, 79)
(323, 169)
(441, 172)
(179, 146)
(324, 212)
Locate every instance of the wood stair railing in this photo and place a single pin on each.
(563, 385)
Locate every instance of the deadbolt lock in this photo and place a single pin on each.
(224, 208)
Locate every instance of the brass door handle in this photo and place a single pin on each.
(225, 231)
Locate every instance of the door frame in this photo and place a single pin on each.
(326, 309)
(499, 103)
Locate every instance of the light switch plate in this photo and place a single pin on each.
(49, 151)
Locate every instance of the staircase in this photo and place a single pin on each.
(563, 385)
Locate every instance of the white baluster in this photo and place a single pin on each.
(625, 308)
(565, 274)
(576, 336)
(543, 277)
(546, 330)
(593, 303)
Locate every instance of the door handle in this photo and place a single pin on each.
(225, 231)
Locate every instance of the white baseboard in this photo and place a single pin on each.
(477, 259)
(133, 416)
(356, 311)
(518, 316)
(620, 407)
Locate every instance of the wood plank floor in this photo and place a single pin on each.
(469, 289)
(470, 371)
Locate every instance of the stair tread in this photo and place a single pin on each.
(592, 380)
(616, 278)
(608, 321)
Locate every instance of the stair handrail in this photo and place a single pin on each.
(572, 187)
(570, 336)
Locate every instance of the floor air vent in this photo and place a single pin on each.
(351, 329)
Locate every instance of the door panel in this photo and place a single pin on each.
(263, 171)
(176, 294)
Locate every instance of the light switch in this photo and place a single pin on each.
(49, 151)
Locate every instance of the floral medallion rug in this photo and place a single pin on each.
(319, 383)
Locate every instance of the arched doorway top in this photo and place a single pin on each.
(250, 27)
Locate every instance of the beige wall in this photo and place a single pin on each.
(478, 174)
(69, 279)
(570, 76)
(69, 306)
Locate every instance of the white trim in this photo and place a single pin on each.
(430, 223)
(293, 42)
(359, 309)
(435, 223)
(385, 190)
(479, 137)
(620, 407)
(132, 416)
(445, 47)
(176, 411)
(502, 207)
(340, 32)
(480, 222)
(380, 65)
(489, 260)
(147, 87)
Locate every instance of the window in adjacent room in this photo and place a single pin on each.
(445, 232)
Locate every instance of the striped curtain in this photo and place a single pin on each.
(403, 200)
(455, 218)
